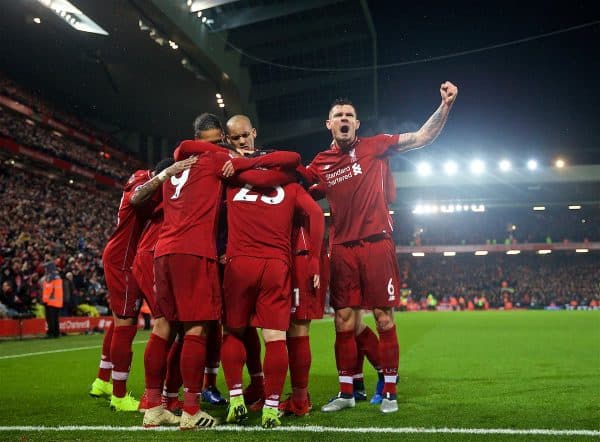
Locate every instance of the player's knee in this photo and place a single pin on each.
(384, 318)
(344, 320)
(161, 328)
(273, 335)
(298, 328)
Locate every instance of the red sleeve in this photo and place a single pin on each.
(317, 191)
(264, 178)
(282, 158)
(316, 227)
(379, 144)
(196, 147)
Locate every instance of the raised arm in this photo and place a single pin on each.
(264, 178)
(142, 193)
(433, 126)
(282, 159)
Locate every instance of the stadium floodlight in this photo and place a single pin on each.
(449, 253)
(575, 207)
(582, 250)
(221, 104)
(539, 208)
(204, 19)
(424, 169)
(391, 212)
(189, 3)
(450, 167)
(219, 100)
(504, 165)
(532, 164)
(199, 14)
(544, 251)
(218, 95)
(326, 213)
(481, 252)
(37, 20)
(513, 252)
(478, 208)
(73, 16)
(200, 5)
(477, 167)
(418, 254)
(559, 163)
(70, 181)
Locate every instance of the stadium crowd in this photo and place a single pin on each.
(499, 226)
(42, 221)
(557, 280)
(54, 143)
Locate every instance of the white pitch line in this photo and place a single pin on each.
(62, 350)
(321, 429)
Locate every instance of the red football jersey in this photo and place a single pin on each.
(191, 203)
(259, 221)
(356, 187)
(149, 236)
(122, 245)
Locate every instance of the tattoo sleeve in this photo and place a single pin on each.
(428, 132)
(145, 191)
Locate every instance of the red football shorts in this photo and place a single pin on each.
(125, 298)
(188, 288)
(365, 275)
(143, 272)
(256, 292)
(307, 302)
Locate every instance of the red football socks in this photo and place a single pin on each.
(252, 344)
(233, 358)
(121, 355)
(275, 368)
(105, 363)
(389, 353)
(173, 379)
(155, 367)
(193, 358)
(213, 355)
(300, 360)
(368, 343)
(345, 358)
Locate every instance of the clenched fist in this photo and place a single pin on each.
(448, 92)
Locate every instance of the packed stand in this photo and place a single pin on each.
(51, 142)
(44, 221)
(560, 280)
(499, 226)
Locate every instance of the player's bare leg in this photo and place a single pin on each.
(298, 345)
(193, 358)
(389, 354)
(121, 356)
(345, 358)
(173, 381)
(275, 367)
(155, 368)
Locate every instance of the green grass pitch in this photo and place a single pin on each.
(487, 370)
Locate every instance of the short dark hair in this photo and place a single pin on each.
(163, 164)
(206, 121)
(340, 101)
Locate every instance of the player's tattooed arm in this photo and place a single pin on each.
(142, 193)
(433, 126)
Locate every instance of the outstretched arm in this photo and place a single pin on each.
(281, 158)
(145, 191)
(433, 126)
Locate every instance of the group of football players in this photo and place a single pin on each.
(224, 239)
